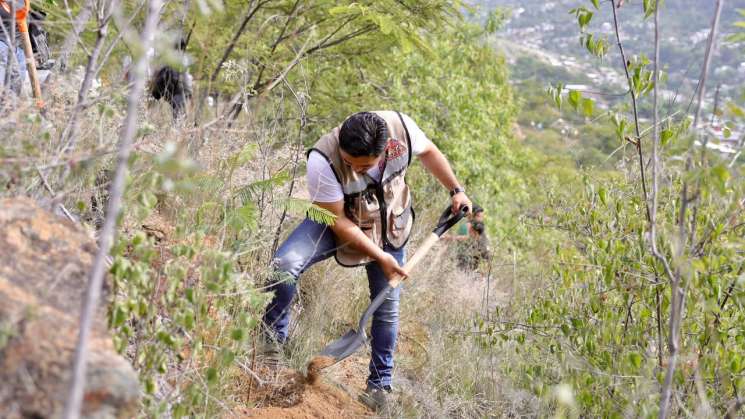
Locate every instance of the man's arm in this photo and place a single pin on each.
(348, 233)
(436, 163)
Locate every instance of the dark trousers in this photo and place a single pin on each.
(310, 243)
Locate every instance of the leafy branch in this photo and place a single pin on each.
(303, 208)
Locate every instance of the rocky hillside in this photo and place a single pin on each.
(44, 267)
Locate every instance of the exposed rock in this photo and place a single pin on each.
(44, 263)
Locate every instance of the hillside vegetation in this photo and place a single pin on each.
(615, 283)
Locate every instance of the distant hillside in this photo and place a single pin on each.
(548, 26)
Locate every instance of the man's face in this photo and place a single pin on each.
(359, 164)
(479, 216)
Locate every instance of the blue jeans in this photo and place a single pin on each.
(310, 243)
(7, 64)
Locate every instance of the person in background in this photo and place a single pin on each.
(174, 84)
(472, 252)
(12, 57)
(463, 231)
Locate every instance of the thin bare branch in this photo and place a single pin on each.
(277, 41)
(327, 43)
(614, 5)
(734, 407)
(68, 135)
(51, 191)
(74, 402)
(281, 76)
(72, 39)
(231, 46)
(707, 62)
(655, 179)
(303, 107)
(678, 293)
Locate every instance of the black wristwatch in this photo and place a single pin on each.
(456, 190)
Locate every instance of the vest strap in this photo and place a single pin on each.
(408, 137)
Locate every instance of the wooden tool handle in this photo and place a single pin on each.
(30, 61)
(421, 251)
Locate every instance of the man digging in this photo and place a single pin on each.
(357, 172)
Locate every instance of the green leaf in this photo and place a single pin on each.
(167, 339)
(735, 364)
(148, 199)
(726, 132)
(249, 193)
(722, 175)
(227, 357)
(665, 136)
(635, 359)
(620, 124)
(189, 321)
(189, 294)
(179, 411)
(150, 386)
(119, 317)
(244, 217)
(386, 25)
(588, 106)
(574, 98)
(340, 10)
(494, 21)
(596, 4)
(244, 156)
(555, 93)
(237, 334)
(603, 195)
(648, 6)
(211, 375)
(736, 110)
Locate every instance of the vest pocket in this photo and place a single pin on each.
(364, 211)
(400, 218)
(400, 221)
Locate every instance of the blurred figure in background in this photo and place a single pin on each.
(12, 58)
(174, 84)
(475, 250)
(471, 242)
(462, 233)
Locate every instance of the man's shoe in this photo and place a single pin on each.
(271, 352)
(376, 398)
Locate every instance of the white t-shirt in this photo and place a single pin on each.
(322, 184)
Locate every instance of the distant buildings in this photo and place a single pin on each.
(727, 141)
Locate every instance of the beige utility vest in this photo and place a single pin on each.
(382, 210)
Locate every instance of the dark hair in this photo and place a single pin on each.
(363, 134)
(477, 209)
(478, 227)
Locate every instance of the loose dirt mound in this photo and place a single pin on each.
(316, 365)
(317, 401)
(286, 393)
